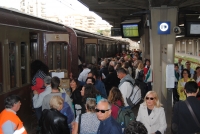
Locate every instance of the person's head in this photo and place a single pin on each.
(121, 73)
(84, 65)
(115, 95)
(90, 104)
(135, 127)
(39, 65)
(112, 63)
(111, 69)
(90, 80)
(88, 91)
(74, 83)
(187, 64)
(103, 64)
(56, 102)
(191, 87)
(47, 80)
(126, 65)
(103, 109)
(176, 68)
(151, 99)
(93, 74)
(55, 82)
(13, 102)
(179, 60)
(126, 58)
(197, 70)
(90, 74)
(140, 66)
(185, 73)
(147, 62)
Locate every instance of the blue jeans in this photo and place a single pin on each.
(38, 112)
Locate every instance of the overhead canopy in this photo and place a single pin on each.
(117, 11)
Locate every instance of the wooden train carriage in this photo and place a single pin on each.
(24, 38)
(90, 46)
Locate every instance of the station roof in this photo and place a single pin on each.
(117, 11)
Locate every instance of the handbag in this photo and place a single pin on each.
(193, 115)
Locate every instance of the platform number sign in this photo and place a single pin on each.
(164, 27)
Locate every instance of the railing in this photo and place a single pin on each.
(194, 62)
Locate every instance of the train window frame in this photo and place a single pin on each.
(86, 51)
(25, 67)
(1, 69)
(12, 43)
(63, 55)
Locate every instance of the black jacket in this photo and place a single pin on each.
(76, 96)
(111, 81)
(53, 122)
(182, 120)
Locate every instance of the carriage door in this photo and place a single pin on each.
(91, 51)
(56, 51)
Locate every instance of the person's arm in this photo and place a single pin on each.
(80, 78)
(179, 87)
(139, 114)
(162, 122)
(37, 99)
(123, 89)
(68, 100)
(116, 130)
(64, 126)
(8, 127)
(75, 126)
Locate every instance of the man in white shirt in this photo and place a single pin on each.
(83, 75)
(187, 64)
(130, 92)
(38, 98)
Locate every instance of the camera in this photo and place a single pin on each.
(177, 30)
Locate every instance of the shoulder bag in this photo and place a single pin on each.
(79, 123)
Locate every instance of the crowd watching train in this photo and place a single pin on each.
(98, 100)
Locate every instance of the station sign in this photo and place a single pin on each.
(164, 27)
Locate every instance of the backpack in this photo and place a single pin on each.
(98, 98)
(67, 111)
(135, 95)
(140, 75)
(125, 115)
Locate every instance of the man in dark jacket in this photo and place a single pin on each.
(108, 125)
(182, 120)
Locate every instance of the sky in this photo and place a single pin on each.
(58, 7)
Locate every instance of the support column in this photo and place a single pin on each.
(162, 49)
(193, 53)
(145, 44)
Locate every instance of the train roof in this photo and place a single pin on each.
(18, 19)
(10, 17)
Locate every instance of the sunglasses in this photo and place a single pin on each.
(149, 98)
(102, 111)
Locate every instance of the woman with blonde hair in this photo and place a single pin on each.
(116, 99)
(88, 121)
(52, 121)
(152, 114)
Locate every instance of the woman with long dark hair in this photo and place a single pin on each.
(116, 99)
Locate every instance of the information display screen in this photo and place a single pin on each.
(195, 29)
(130, 30)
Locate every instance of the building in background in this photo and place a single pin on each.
(34, 7)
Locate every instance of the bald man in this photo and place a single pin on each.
(108, 125)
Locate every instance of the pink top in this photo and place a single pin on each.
(115, 109)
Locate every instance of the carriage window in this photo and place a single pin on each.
(12, 60)
(91, 53)
(57, 55)
(33, 51)
(1, 72)
(23, 63)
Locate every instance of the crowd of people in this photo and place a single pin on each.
(100, 93)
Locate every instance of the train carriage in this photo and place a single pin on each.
(25, 38)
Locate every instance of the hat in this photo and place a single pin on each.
(47, 79)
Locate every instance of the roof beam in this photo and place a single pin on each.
(189, 3)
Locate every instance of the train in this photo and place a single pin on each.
(25, 38)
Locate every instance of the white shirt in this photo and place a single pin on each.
(83, 75)
(38, 98)
(125, 89)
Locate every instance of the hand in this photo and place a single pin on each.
(35, 92)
